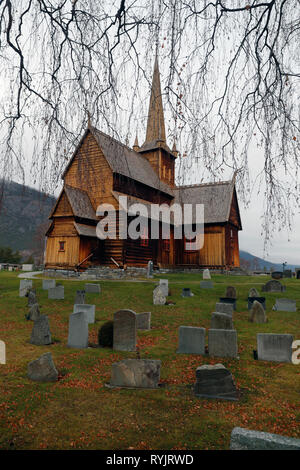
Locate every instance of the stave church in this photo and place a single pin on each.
(103, 169)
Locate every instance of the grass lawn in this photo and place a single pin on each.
(79, 412)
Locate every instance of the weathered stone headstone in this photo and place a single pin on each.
(40, 334)
(253, 292)
(92, 288)
(191, 340)
(222, 343)
(89, 311)
(247, 439)
(164, 286)
(31, 295)
(224, 308)
(158, 296)
(285, 305)
(261, 300)
(186, 292)
(56, 293)
(150, 269)
(277, 275)
(125, 330)
(49, 284)
(34, 313)
(228, 300)
(221, 321)
(230, 292)
(137, 373)
(206, 285)
(80, 297)
(143, 321)
(206, 274)
(257, 313)
(25, 284)
(42, 369)
(274, 347)
(215, 381)
(78, 336)
(273, 286)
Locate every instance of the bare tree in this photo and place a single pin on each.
(230, 71)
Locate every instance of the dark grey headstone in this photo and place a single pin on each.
(150, 269)
(137, 373)
(221, 321)
(31, 296)
(261, 300)
(143, 321)
(34, 313)
(215, 381)
(206, 285)
(274, 347)
(89, 311)
(224, 308)
(273, 286)
(80, 297)
(40, 334)
(285, 305)
(247, 439)
(49, 284)
(277, 275)
(191, 340)
(257, 313)
(227, 300)
(231, 292)
(186, 292)
(92, 288)
(78, 336)
(222, 343)
(42, 369)
(158, 296)
(56, 293)
(125, 330)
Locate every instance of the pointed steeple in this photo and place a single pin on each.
(136, 146)
(156, 123)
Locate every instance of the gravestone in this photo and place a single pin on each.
(287, 273)
(136, 373)
(273, 286)
(285, 305)
(56, 293)
(261, 300)
(92, 289)
(186, 292)
(221, 321)
(274, 347)
(257, 313)
(224, 308)
(31, 295)
(34, 313)
(222, 343)
(125, 330)
(206, 285)
(40, 334)
(80, 297)
(25, 284)
(158, 296)
(230, 292)
(277, 275)
(228, 300)
(164, 286)
(143, 321)
(247, 439)
(297, 273)
(89, 311)
(49, 284)
(150, 269)
(191, 340)
(206, 274)
(253, 292)
(42, 369)
(215, 381)
(78, 336)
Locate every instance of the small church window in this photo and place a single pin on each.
(62, 246)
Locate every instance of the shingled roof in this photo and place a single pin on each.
(216, 197)
(79, 201)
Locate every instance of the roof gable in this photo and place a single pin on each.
(77, 200)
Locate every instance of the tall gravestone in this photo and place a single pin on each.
(125, 331)
(40, 334)
(191, 340)
(31, 296)
(25, 284)
(164, 286)
(34, 313)
(78, 336)
(206, 275)
(222, 343)
(89, 311)
(274, 347)
(257, 313)
(158, 296)
(150, 269)
(80, 297)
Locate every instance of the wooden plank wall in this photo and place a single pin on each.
(56, 258)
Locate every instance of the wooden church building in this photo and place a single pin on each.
(102, 169)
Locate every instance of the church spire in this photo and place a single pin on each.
(156, 123)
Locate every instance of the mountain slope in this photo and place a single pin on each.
(260, 263)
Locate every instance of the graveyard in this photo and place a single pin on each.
(86, 408)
